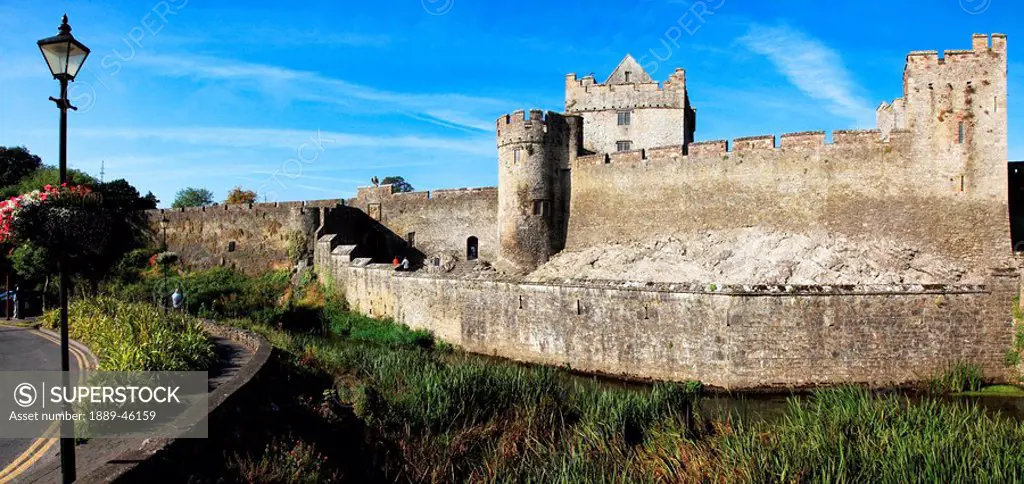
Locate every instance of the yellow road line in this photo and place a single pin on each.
(46, 441)
(80, 356)
(41, 445)
(25, 455)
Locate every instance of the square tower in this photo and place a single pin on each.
(630, 111)
(955, 108)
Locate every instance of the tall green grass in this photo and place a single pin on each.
(850, 435)
(130, 336)
(216, 293)
(957, 378)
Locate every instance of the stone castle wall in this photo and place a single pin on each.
(736, 337)
(858, 186)
(931, 178)
(442, 220)
(252, 238)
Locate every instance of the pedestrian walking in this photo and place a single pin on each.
(14, 300)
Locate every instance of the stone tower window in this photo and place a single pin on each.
(960, 133)
(231, 246)
(628, 74)
(623, 145)
(624, 118)
(410, 239)
(542, 207)
(472, 248)
(515, 155)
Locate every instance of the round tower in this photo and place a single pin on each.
(533, 186)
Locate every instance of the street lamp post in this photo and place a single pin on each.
(64, 56)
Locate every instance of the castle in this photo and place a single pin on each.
(909, 218)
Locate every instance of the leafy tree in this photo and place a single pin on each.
(16, 163)
(150, 201)
(35, 266)
(192, 197)
(398, 184)
(46, 175)
(123, 197)
(240, 196)
(32, 262)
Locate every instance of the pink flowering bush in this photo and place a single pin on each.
(13, 208)
(67, 219)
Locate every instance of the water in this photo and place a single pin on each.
(771, 406)
(768, 406)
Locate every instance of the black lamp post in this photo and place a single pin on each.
(65, 56)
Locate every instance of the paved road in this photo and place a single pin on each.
(24, 349)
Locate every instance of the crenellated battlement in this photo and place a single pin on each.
(588, 84)
(981, 44)
(300, 205)
(856, 136)
(381, 193)
(585, 94)
(805, 141)
(517, 127)
(753, 143)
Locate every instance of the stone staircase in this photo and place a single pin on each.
(345, 254)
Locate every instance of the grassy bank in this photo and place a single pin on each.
(131, 336)
(356, 399)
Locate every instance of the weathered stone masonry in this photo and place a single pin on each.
(931, 178)
(252, 238)
(734, 337)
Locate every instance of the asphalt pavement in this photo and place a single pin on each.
(24, 349)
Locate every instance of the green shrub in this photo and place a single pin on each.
(1012, 358)
(131, 336)
(296, 241)
(959, 377)
(222, 293)
(357, 327)
(285, 461)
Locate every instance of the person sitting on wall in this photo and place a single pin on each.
(405, 263)
(395, 262)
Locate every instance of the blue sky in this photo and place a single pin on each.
(310, 100)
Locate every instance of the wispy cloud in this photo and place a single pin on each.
(476, 113)
(812, 67)
(290, 138)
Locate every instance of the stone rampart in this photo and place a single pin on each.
(253, 238)
(439, 221)
(732, 336)
(860, 186)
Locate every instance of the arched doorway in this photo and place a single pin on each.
(472, 248)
